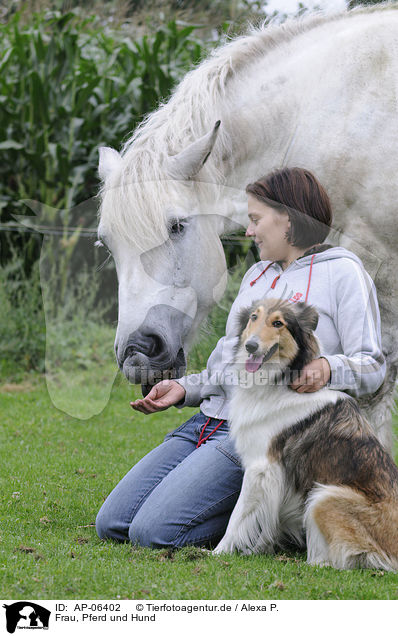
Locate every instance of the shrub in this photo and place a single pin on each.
(22, 327)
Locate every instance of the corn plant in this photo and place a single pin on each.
(67, 86)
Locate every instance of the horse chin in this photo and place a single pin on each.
(133, 367)
(139, 369)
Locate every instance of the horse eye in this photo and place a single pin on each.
(99, 244)
(177, 228)
(254, 316)
(277, 323)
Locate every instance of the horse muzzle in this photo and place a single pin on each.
(149, 355)
(139, 369)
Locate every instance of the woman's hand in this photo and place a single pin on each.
(312, 377)
(160, 397)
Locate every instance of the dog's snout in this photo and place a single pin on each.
(251, 346)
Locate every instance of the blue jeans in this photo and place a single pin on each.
(177, 494)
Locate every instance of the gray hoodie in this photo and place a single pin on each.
(332, 279)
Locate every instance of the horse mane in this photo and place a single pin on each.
(134, 198)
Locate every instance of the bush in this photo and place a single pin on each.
(22, 326)
(71, 336)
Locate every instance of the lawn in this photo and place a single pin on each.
(58, 470)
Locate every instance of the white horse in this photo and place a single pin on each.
(318, 92)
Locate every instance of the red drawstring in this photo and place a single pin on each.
(259, 276)
(274, 282)
(309, 278)
(203, 440)
(278, 277)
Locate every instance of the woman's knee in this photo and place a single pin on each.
(103, 524)
(110, 526)
(151, 533)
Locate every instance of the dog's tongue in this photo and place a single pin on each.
(253, 363)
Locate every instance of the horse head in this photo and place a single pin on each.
(160, 227)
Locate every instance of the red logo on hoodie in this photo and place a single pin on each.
(295, 298)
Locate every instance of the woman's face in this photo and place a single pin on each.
(268, 228)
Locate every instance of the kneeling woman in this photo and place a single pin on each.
(183, 491)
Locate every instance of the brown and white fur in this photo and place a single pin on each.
(315, 474)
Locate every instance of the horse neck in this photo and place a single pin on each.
(260, 136)
(273, 106)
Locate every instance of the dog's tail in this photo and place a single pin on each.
(346, 529)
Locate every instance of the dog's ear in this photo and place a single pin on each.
(307, 316)
(242, 319)
(304, 323)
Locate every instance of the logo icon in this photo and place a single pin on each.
(26, 615)
(295, 298)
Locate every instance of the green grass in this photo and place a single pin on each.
(58, 470)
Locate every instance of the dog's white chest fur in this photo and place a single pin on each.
(266, 501)
(259, 413)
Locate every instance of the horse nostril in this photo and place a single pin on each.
(251, 346)
(156, 346)
(150, 345)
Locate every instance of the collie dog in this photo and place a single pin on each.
(314, 473)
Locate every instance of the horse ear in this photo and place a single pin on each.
(109, 160)
(188, 162)
(307, 316)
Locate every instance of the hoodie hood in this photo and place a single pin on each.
(319, 253)
(326, 252)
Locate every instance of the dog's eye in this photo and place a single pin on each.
(253, 317)
(277, 324)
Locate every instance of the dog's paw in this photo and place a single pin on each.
(218, 550)
(247, 551)
(322, 563)
(224, 547)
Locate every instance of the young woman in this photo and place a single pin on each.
(183, 491)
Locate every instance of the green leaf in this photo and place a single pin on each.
(5, 58)
(10, 144)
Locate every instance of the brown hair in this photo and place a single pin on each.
(298, 193)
